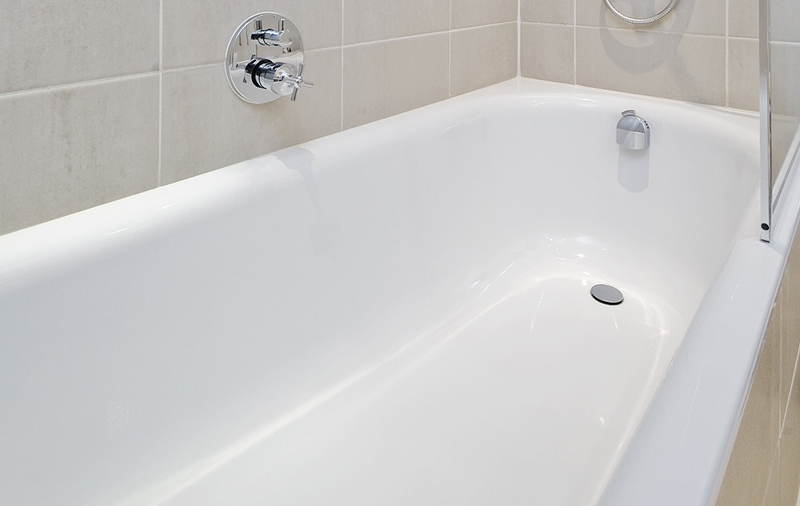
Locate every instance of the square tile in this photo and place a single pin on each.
(548, 52)
(474, 66)
(373, 20)
(386, 78)
(548, 11)
(54, 42)
(71, 148)
(784, 20)
(469, 13)
(743, 18)
(743, 68)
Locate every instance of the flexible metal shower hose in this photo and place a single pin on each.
(641, 21)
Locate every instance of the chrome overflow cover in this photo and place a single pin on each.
(264, 61)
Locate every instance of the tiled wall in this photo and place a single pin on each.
(101, 99)
(764, 467)
(704, 51)
(785, 66)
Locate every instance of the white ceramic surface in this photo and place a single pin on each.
(399, 314)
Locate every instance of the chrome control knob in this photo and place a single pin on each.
(299, 82)
(283, 79)
(270, 37)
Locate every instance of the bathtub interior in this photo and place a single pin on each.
(403, 321)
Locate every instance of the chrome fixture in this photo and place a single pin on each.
(641, 21)
(633, 132)
(607, 294)
(265, 59)
(765, 118)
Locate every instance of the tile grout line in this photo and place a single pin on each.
(160, 87)
(450, 52)
(727, 55)
(519, 38)
(574, 41)
(778, 306)
(623, 29)
(416, 35)
(468, 28)
(341, 71)
(77, 84)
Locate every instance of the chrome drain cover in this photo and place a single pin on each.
(607, 294)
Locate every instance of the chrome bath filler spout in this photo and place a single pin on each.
(633, 132)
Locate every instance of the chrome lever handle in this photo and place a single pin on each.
(270, 37)
(299, 82)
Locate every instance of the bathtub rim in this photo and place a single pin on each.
(116, 221)
(671, 460)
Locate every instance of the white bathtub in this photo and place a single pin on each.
(400, 315)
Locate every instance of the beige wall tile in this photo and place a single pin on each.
(474, 66)
(206, 126)
(371, 20)
(387, 78)
(548, 11)
(693, 16)
(743, 74)
(789, 311)
(71, 148)
(683, 67)
(743, 18)
(745, 480)
(772, 495)
(547, 52)
(785, 81)
(319, 22)
(785, 78)
(52, 42)
(468, 13)
(784, 18)
(783, 129)
(790, 452)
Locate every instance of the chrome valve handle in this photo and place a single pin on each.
(264, 61)
(299, 82)
(269, 37)
(281, 78)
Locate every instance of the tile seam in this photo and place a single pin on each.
(574, 41)
(450, 52)
(727, 55)
(341, 87)
(519, 38)
(404, 37)
(510, 23)
(78, 84)
(160, 88)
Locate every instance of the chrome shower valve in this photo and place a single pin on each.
(265, 59)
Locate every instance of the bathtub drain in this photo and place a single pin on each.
(607, 294)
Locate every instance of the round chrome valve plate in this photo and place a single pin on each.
(264, 36)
